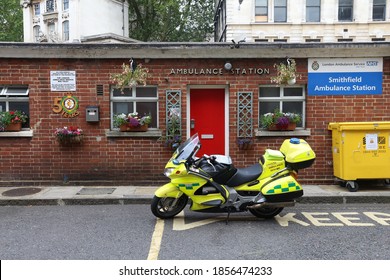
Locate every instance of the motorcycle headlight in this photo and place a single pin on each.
(168, 171)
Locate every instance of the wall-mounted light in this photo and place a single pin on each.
(228, 66)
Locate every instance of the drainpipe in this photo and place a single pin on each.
(123, 19)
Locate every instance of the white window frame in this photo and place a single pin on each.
(317, 7)
(37, 9)
(65, 5)
(383, 6)
(133, 99)
(65, 30)
(7, 95)
(279, 7)
(36, 32)
(340, 6)
(52, 6)
(282, 98)
(260, 17)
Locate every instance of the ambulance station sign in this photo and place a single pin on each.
(345, 76)
(63, 80)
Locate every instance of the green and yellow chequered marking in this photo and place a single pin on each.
(279, 189)
(189, 186)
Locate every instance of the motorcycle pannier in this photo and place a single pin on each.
(298, 153)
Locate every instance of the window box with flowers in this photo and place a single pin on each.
(286, 72)
(12, 120)
(280, 121)
(132, 122)
(69, 135)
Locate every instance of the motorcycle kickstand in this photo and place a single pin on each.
(228, 215)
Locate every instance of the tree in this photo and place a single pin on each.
(11, 21)
(171, 20)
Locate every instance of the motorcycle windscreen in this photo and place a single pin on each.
(184, 151)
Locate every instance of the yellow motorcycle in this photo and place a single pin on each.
(214, 185)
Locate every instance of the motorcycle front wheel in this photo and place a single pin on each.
(266, 212)
(168, 207)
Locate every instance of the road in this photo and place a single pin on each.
(131, 232)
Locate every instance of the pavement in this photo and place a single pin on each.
(95, 195)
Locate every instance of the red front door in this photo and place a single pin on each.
(207, 118)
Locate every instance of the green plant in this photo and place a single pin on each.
(286, 72)
(132, 120)
(173, 137)
(279, 119)
(9, 117)
(130, 77)
(293, 117)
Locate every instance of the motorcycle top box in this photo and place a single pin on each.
(298, 153)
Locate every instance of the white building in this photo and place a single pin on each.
(299, 21)
(65, 21)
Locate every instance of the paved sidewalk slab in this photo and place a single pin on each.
(91, 195)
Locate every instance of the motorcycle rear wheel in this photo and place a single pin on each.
(168, 207)
(266, 212)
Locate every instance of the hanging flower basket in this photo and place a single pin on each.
(245, 143)
(286, 72)
(70, 139)
(69, 135)
(131, 75)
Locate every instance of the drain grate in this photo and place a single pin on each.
(21, 191)
(96, 191)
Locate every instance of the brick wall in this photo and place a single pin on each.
(141, 160)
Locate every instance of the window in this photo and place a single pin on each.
(49, 6)
(280, 40)
(37, 9)
(14, 98)
(379, 10)
(143, 100)
(280, 10)
(36, 32)
(286, 99)
(313, 10)
(65, 5)
(261, 10)
(345, 10)
(65, 30)
(51, 28)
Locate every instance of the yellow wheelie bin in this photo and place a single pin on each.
(361, 150)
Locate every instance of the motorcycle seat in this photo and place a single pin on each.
(245, 175)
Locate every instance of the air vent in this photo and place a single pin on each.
(99, 89)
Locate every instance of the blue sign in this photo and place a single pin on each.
(345, 76)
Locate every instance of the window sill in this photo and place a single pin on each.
(296, 132)
(151, 133)
(22, 133)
